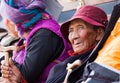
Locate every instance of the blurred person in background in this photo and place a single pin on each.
(43, 44)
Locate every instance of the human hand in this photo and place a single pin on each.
(10, 72)
(5, 69)
(4, 80)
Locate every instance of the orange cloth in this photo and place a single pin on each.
(110, 53)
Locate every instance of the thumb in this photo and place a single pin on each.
(11, 64)
(13, 67)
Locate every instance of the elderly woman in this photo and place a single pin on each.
(83, 31)
(42, 43)
(106, 67)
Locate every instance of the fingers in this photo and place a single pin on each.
(13, 67)
(15, 79)
(4, 80)
(3, 62)
(15, 82)
(6, 73)
(5, 70)
(1, 79)
(5, 67)
(7, 81)
(10, 71)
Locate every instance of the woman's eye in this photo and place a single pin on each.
(80, 27)
(70, 30)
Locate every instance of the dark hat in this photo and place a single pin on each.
(90, 14)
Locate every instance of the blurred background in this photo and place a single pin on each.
(62, 10)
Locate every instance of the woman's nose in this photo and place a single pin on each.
(75, 35)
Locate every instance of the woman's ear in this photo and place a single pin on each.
(100, 33)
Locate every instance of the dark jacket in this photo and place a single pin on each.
(58, 72)
(43, 45)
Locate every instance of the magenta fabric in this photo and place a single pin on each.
(20, 55)
(53, 26)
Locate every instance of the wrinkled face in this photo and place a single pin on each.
(82, 35)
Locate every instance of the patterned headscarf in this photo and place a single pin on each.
(23, 13)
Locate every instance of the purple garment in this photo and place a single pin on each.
(53, 26)
(20, 55)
